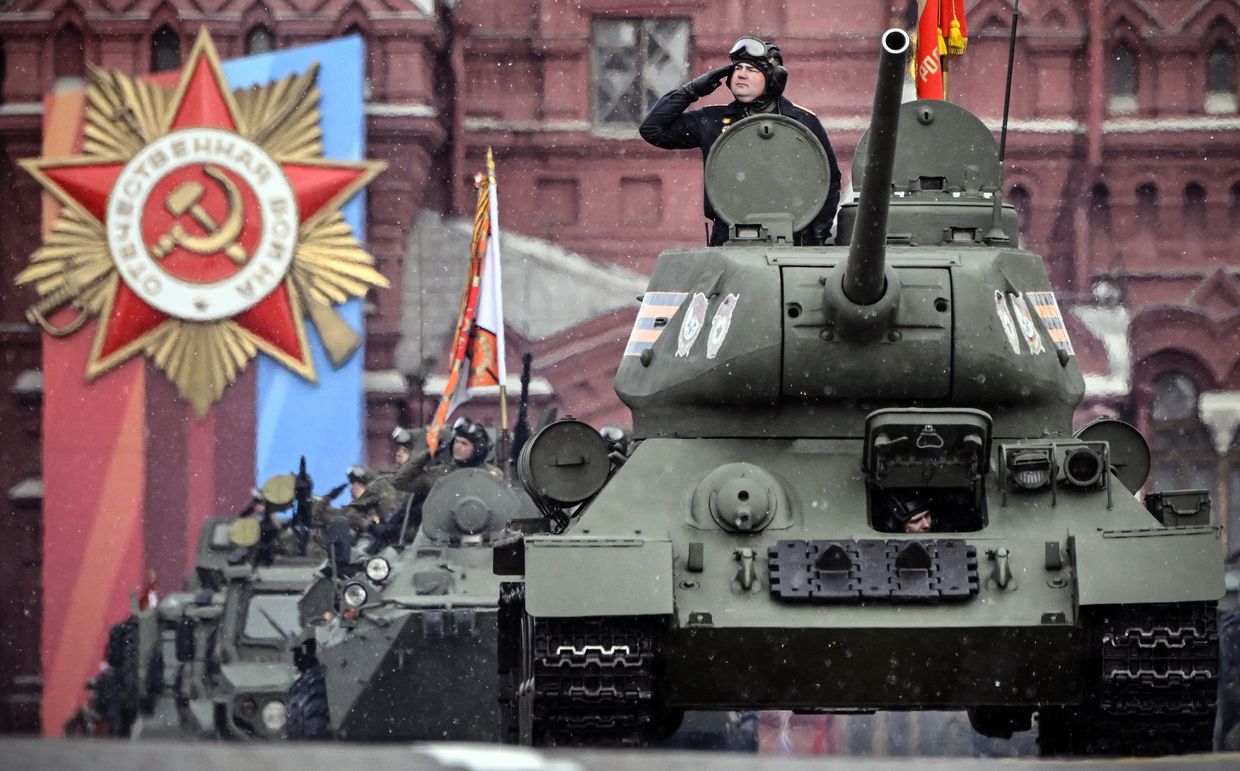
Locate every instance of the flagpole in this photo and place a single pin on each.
(506, 463)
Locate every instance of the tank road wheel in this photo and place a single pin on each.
(1154, 672)
(308, 717)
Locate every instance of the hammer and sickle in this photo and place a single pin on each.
(218, 237)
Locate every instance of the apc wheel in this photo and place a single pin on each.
(308, 717)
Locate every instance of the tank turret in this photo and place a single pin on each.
(923, 308)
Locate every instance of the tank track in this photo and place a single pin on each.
(1157, 688)
(593, 681)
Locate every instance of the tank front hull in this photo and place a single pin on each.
(875, 668)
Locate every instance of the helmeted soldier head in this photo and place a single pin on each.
(758, 73)
(403, 439)
(908, 513)
(470, 443)
(359, 477)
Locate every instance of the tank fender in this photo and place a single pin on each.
(597, 576)
(1146, 565)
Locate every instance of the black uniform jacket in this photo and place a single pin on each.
(669, 126)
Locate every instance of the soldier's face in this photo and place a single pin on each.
(357, 488)
(748, 82)
(401, 454)
(920, 523)
(462, 449)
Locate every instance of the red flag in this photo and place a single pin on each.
(928, 70)
(952, 27)
(478, 347)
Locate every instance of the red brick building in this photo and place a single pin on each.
(1123, 155)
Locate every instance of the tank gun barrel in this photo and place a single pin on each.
(863, 275)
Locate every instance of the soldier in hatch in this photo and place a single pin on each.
(466, 446)
(756, 78)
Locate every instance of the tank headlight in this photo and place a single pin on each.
(1082, 467)
(378, 570)
(354, 595)
(274, 715)
(1030, 470)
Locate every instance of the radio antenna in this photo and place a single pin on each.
(997, 235)
(1007, 90)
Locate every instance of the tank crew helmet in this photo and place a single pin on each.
(360, 475)
(402, 437)
(903, 508)
(476, 434)
(767, 58)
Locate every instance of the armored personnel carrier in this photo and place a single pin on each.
(796, 410)
(211, 660)
(407, 652)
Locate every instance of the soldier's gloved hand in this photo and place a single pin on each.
(337, 490)
(705, 84)
(445, 437)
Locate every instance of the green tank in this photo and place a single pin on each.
(401, 645)
(756, 549)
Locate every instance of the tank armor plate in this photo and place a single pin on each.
(873, 569)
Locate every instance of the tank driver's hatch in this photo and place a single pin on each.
(767, 177)
(927, 448)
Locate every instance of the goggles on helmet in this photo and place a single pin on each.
(748, 46)
(402, 436)
(358, 474)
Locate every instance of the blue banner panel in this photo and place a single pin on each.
(322, 421)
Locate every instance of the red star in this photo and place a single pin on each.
(202, 100)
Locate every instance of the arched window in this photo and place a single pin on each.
(259, 40)
(1194, 209)
(1018, 196)
(1147, 206)
(1233, 208)
(1183, 455)
(165, 49)
(1123, 85)
(1100, 207)
(1221, 79)
(70, 53)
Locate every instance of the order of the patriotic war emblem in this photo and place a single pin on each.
(201, 225)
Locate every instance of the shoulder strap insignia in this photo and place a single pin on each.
(803, 107)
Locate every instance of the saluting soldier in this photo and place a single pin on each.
(756, 77)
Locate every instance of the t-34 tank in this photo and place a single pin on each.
(409, 651)
(795, 408)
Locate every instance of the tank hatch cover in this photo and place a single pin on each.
(767, 170)
(911, 448)
(1130, 454)
(279, 490)
(468, 502)
(565, 463)
(941, 146)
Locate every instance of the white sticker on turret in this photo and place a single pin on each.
(1023, 319)
(720, 325)
(691, 325)
(1005, 320)
(657, 308)
(1047, 308)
